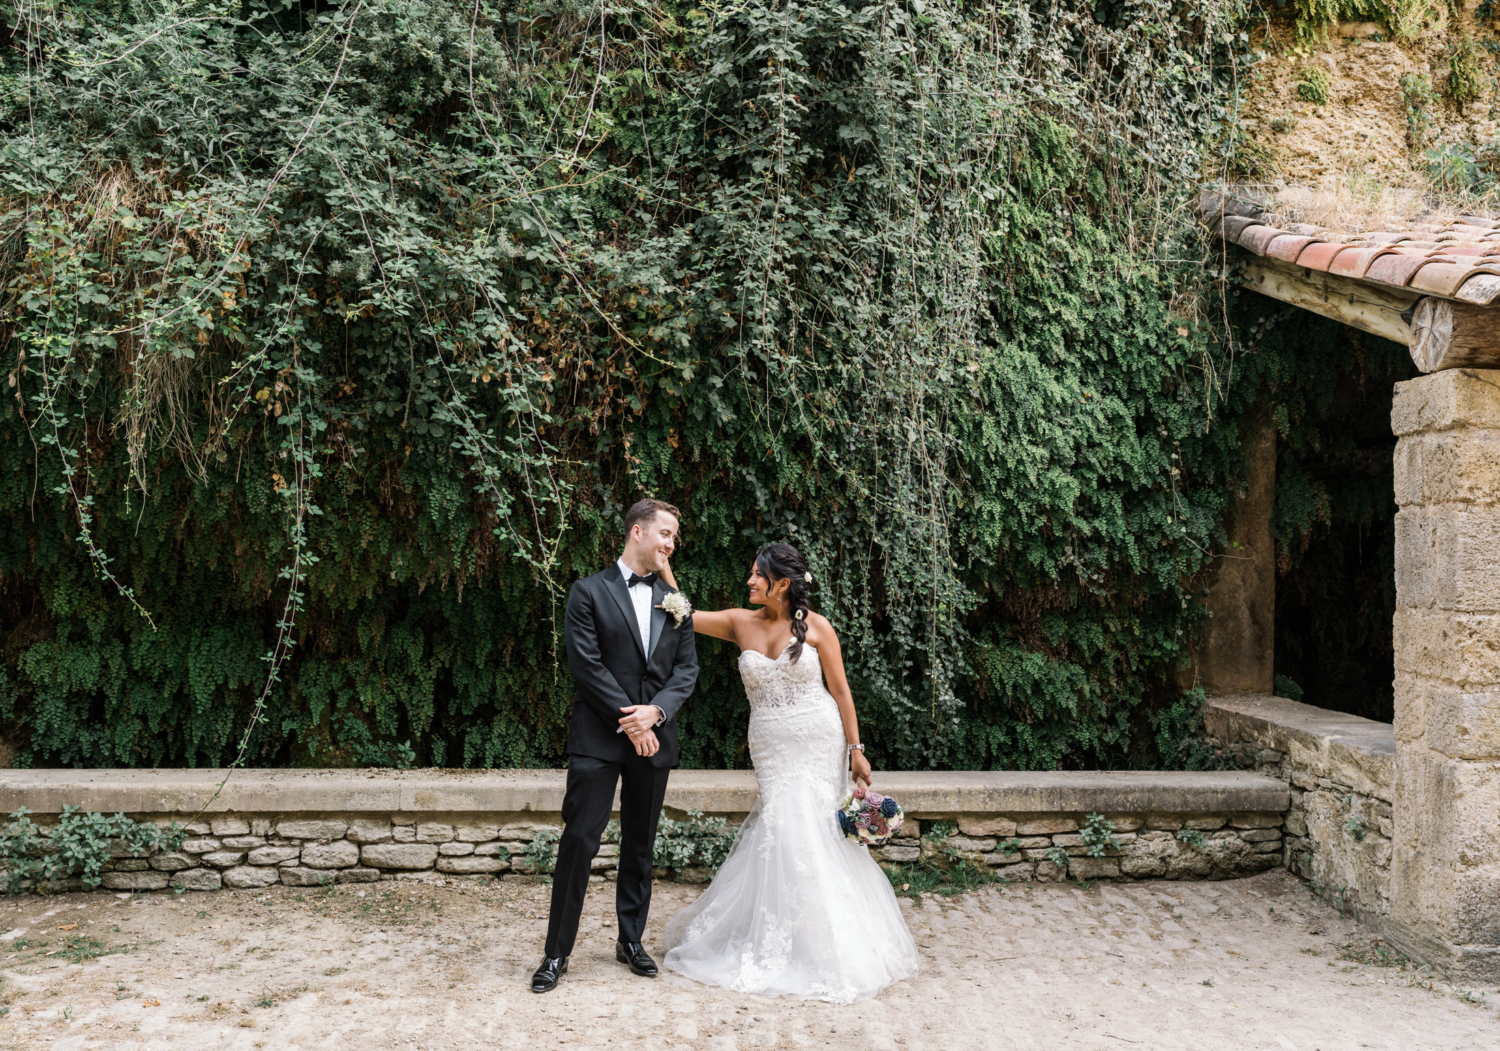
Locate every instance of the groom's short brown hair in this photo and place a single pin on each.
(645, 510)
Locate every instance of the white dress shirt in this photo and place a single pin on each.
(640, 597)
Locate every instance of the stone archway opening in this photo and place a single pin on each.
(1434, 286)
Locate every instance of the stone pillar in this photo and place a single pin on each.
(1445, 866)
(1237, 652)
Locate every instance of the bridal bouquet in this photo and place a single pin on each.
(869, 817)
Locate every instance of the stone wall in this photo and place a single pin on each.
(1340, 770)
(313, 828)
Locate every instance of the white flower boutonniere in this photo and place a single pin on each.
(677, 604)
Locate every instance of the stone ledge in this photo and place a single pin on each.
(1359, 753)
(434, 792)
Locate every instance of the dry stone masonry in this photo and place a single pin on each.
(1445, 869)
(1340, 771)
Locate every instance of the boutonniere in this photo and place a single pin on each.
(677, 604)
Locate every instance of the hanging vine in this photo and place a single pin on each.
(383, 311)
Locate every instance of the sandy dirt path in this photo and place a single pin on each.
(1252, 963)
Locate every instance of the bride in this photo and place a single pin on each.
(796, 909)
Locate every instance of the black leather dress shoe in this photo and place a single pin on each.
(634, 954)
(545, 979)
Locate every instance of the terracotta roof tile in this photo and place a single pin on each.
(1354, 263)
(1287, 247)
(1397, 268)
(1318, 256)
(1444, 279)
(1231, 226)
(1258, 238)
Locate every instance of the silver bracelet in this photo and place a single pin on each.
(856, 747)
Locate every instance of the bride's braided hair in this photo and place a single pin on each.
(784, 562)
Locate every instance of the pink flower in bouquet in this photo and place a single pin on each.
(859, 791)
(873, 799)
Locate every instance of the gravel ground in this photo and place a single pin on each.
(1252, 963)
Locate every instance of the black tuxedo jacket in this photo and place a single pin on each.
(611, 671)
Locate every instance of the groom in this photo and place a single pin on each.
(634, 666)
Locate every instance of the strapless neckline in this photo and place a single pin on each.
(774, 660)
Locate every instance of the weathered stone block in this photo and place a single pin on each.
(599, 864)
(248, 877)
(1045, 826)
(1144, 867)
(455, 849)
(1164, 822)
(1093, 868)
(471, 864)
(399, 855)
(150, 879)
(244, 842)
(174, 862)
(1462, 648)
(273, 855)
(359, 875)
(1445, 558)
(261, 826)
(1459, 724)
(431, 832)
(1020, 871)
(230, 826)
(130, 865)
(980, 825)
(369, 831)
(404, 833)
(1033, 842)
(476, 833)
(892, 852)
(1255, 820)
(201, 845)
(1204, 821)
(1047, 872)
(968, 845)
(1447, 469)
(1126, 822)
(301, 876)
(312, 829)
(338, 854)
(492, 849)
(224, 859)
(1448, 400)
(197, 879)
(1260, 835)
(1270, 846)
(1296, 823)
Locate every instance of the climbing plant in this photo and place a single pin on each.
(340, 335)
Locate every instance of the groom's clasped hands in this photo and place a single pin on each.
(638, 724)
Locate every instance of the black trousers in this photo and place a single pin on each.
(586, 808)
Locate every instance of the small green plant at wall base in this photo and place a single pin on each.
(1191, 837)
(1011, 847)
(1059, 857)
(541, 852)
(1282, 125)
(1098, 835)
(939, 831)
(1313, 84)
(1355, 826)
(924, 877)
(699, 841)
(78, 845)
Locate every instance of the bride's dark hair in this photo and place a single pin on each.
(784, 562)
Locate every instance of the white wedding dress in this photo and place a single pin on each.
(797, 909)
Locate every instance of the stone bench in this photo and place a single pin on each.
(314, 827)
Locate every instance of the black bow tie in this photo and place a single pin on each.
(636, 578)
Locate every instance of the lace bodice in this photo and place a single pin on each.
(781, 682)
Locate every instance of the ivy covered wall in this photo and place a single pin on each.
(338, 336)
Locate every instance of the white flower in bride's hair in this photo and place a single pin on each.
(798, 614)
(678, 605)
(807, 577)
